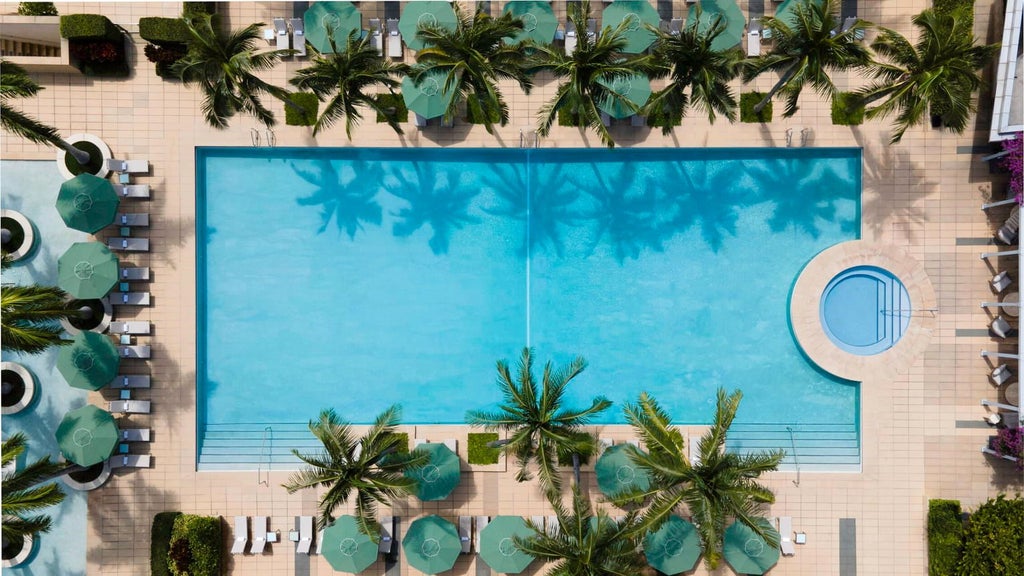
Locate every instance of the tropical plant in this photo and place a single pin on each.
(226, 65)
(806, 49)
(1013, 162)
(23, 495)
(938, 75)
(343, 78)
(585, 544)
(595, 58)
(719, 486)
(474, 58)
(540, 428)
(16, 83)
(372, 466)
(695, 66)
(993, 538)
(31, 317)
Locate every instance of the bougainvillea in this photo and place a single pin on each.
(1010, 442)
(1013, 162)
(95, 52)
(164, 54)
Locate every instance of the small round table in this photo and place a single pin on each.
(1013, 394)
(1013, 297)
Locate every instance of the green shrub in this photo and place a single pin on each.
(567, 118)
(747, 102)
(945, 536)
(993, 539)
(395, 101)
(479, 451)
(305, 109)
(656, 118)
(847, 109)
(962, 10)
(403, 442)
(37, 9)
(195, 544)
(580, 439)
(160, 543)
(476, 115)
(95, 159)
(189, 9)
(88, 27)
(164, 30)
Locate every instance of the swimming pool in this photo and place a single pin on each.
(865, 310)
(358, 278)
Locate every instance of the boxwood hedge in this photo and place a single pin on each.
(202, 537)
(88, 27)
(945, 534)
(163, 30)
(160, 543)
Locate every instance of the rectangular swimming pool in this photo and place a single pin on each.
(356, 278)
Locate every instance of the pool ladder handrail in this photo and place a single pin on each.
(789, 137)
(267, 431)
(796, 459)
(254, 135)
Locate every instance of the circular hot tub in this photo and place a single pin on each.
(865, 310)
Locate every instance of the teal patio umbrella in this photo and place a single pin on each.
(441, 474)
(498, 550)
(636, 88)
(730, 14)
(539, 23)
(87, 436)
(87, 270)
(747, 552)
(640, 14)
(674, 548)
(325, 19)
(616, 472)
(90, 362)
(424, 13)
(346, 548)
(87, 203)
(787, 10)
(432, 544)
(428, 98)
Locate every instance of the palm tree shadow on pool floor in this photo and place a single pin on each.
(435, 199)
(348, 196)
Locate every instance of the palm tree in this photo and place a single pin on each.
(23, 495)
(226, 67)
(474, 57)
(584, 544)
(805, 52)
(16, 83)
(540, 428)
(939, 73)
(344, 77)
(697, 67)
(721, 485)
(31, 317)
(597, 58)
(372, 466)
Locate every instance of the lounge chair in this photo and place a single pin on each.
(128, 244)
(132, 190)
(140, 219)
(419, 121)
(1007, 233)
(604, 444)
(850, 22)
(1001, 281)
(131, 461)
(281, 31)
(466, 533)
(1001, 374)
(786, 535)
(376, 36)
(394, 39)
(129, 298)
(637, 121)
(130, 381)
(592, 29)
(241, 535)
(141, 273)
(259, 534)
(538, 521)
(132, 327)
(1002, 329)
(452, 445)
(570, 37)
(481, 523)
(319, 542)
(675, 26)
(129, 406)
(634, 443)
(551, 525)
(140, 352)
(135, 434)
(754, 38)
(606, 119)
(387, 534)
(298, 36)
(128, 166)
(305, 535)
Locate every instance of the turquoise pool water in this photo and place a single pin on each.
(358, 278)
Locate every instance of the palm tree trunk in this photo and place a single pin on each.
(576, 468)
(778, 86)
(80, 155)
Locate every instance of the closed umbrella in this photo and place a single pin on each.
(87, 203)
(324, 20)
(421, 14)
(427, 98)
(440, 475)
(639, 14)
(90, 362)
(87, 270)
(87, 436)
(539, 23)
(496, 546)
(674, 548)
(616, 472)
(432, 545)
(730, 14)
(636, 88)
(346, 548)
(747, 552)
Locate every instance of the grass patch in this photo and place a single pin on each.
(160, 543)
(479, 451)
(747, 102)
(195, 546)
(945, 535)
(95, 159)
(395, 101)
(303, 113)
(475, 114)
(847, 109)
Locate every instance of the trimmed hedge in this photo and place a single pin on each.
(198, 8)
(395, 101)
(567, 118)
(747, 102)
(479, 451)
(37, 9)
(476, 115)
(945, 536)
(160, 542)
(306, 116)
(847, 109)
(202, 537)
(994, 539)
(657, 118)
(164, 30)
(88, 27)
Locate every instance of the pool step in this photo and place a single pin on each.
(252, 446)
(819, 447)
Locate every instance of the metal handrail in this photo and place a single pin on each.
(796, 459)
(263, 450)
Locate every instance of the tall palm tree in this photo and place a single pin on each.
(940, 73)
(695, 66)
(807, 51)
(16, 83)
(226, 66)
(371, 466)
(540, 428)
(31, 317)
(720, 486)
(474, 57)
(344, 77)
(597, 58)
(585, 544)
(23, 495)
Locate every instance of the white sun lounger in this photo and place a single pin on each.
(259, 534)
(387, 534)
(481, 523)
(129, 406)
(131, 461)
(538, 521)
(1002, 328)
(133, 327)
(241, 535)
(142, 352)
(1001, 281)
(675, 26)
(452, 445)
(281, 32)
(305, 543)
(1007, 233)
(394, 39)
(129, 298)
(135, 434)
(376, 36)
(132, 190)
(298, 36)
(466, 533)
(419, 121)
(128, 244)
(1001, 374)
(786, 536)
(754, 38)
(128, 166)
(130, 381)
(138, 219)
(570, 38)
(592, 29)
(551, 525)
(140, 273)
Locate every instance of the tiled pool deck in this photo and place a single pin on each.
(920, 412)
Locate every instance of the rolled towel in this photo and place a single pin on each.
(1007, 234)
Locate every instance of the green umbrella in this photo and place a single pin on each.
(90, 362)
(87, 436)
(635, 88)
(424, 13)
(640, 15)
(787, 10)
(346, 548)
(495, 545)
(428, 99)
(731, 15)
(326, 19)
(747, 552)
(440, 476)
(87, 270)
(539, 23)
(616, 472)
(87, 203)
(674, 548)
(432, 544)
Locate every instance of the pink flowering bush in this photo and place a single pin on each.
(1010, 442)
(1014, 164)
